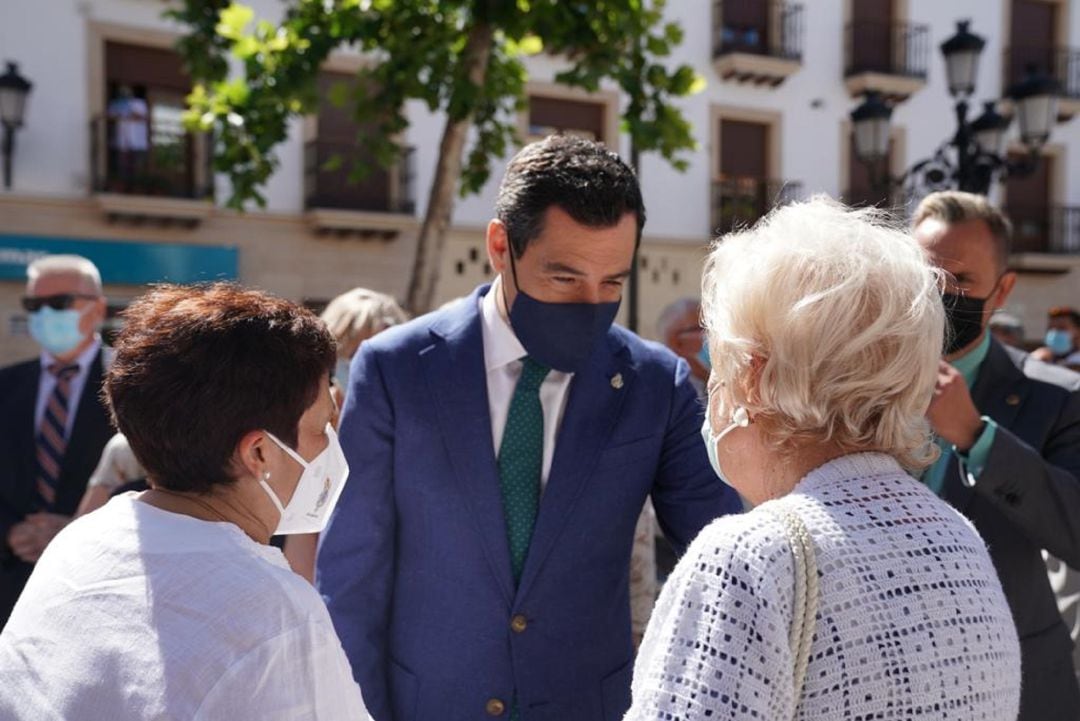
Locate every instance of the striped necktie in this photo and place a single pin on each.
(51, 442)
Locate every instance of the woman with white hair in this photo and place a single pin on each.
(850, 590)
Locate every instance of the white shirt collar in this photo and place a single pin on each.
(83, 360)
(501, 345)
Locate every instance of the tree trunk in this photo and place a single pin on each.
(432, 239)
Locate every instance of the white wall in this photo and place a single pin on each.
(49, 40)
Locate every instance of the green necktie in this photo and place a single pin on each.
(521, 457)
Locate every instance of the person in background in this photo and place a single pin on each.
(680, 330)
(1062, 339)
(170, 604)
(1009, 430)
(353, 318)
(504, 448)
(130, 139)
(53, 422)
(116, 472)
(1007, 329)
(825, 329)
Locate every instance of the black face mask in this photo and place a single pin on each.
(963, 320)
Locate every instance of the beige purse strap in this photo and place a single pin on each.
(806, 595)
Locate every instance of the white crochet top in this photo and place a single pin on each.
(912, 622)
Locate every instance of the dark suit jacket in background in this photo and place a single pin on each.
(1026, 499)
(18, 463)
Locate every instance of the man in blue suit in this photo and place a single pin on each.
(500, 452)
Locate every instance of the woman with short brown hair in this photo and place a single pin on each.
(170, 604)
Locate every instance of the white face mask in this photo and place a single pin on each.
(739, 419)
(316, 493)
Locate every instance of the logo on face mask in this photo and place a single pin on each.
(558, 335)
(313, 500)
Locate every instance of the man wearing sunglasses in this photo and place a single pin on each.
(53, 424)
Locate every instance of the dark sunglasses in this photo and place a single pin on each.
(60, 301)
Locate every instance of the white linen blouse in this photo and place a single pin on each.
(134, 612)
(912, 621)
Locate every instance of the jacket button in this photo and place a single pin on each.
(519, 623)
(495, 707)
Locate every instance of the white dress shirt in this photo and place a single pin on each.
(502, 359)
(134, 612)
(47, 383)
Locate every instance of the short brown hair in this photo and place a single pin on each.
(198, 367)
(954, 206)
(1064, 311)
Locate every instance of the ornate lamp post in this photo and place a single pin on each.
(975, 155)
(13, 91)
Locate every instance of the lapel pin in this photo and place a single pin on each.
(617, 381)
(1012, 399)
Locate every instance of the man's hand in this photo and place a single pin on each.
(29, 538)
(952, 413)
(1043, 354)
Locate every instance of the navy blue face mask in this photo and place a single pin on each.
(561, 336)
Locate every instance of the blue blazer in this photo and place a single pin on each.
(415, 565)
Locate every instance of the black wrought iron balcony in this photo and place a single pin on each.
(741, 202)
(758, 27)
(886, 48)
(328, 165)
(149, 160)
(1051, 229)
(1062, 64)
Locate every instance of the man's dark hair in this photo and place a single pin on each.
(1066, 312)
(199, 367)
(585, 179)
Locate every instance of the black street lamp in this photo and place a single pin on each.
(13, 91)
(975, 154)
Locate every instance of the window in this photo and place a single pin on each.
(551, 115)
(1027, 202)
(141, 146)
(332, 155)
(1033, 29)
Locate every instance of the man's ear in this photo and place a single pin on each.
(1005, 289)
(498, 246)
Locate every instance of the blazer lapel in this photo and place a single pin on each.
(592, 412)
(458, 381)
(998, 393)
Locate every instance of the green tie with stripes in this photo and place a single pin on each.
(521, 457)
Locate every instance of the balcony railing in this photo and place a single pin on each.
(175, 164)
(327, 167)
(888, 48)
(741, 202)
(1063, 64)
(1045, 229)
(758, 27)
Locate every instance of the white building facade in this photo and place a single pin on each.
(771, 124)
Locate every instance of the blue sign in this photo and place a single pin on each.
(124, 263)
